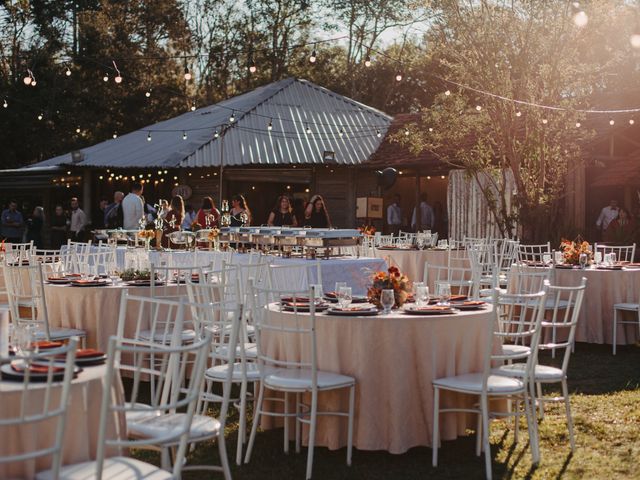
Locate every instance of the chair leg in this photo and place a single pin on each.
(532, 425)
(436, 417)
(224, 461)
(312, 433)
(540, 400)
(243, 422)
(298, 422)
(484, 409)
(567, 406)
(352, 401)
(516, 428)
(615, 323)
(256, 421)
(286, 422)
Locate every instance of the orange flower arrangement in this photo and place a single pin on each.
(367, 229)
(147, 234)
(2, 249)
(391, 279)
(572, 250)
(213, 234)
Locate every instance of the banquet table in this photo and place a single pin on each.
(604, 289)
(81, 433)
(394, 359)
(354, 271)
(93, 309)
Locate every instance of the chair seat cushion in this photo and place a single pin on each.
(509, 350)
(154, 425)
(114, 468)
(161, 336)
(634, 307)
(472, 383)
(250, 351)
(541, 373)
(219, 372)
(300, 380)
(60, 333)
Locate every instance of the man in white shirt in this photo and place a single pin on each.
(78, 221)
(394, 215)
(133, 208)
(427, 218)
(607, 215)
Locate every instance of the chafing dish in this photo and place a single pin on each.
(327, 240)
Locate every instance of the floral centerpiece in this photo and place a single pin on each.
(367, 229)
(213, 234)
(392, 279)
(571, 250)
(147, 234)
(131, 274)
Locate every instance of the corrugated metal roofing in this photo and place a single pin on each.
(291, 105)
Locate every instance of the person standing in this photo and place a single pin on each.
(394, 215)
(97, 219)
(189, 217)
(316, 214)
(59, 224)
(607, 215)
(34, 227)
(113, 213)
(12, 223)
(240, 212)
(78, 221)
(282, 214)
(133, 208)
(208, 216)
(427, 218)
(172, 219)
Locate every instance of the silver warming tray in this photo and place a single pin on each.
(320, 238)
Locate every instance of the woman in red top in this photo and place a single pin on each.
(173, 219)
(209, 212)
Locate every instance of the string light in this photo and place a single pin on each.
(367, 61)
(252, 65)
(478, 107)
(545, 121)
(612, 122)
(313, 57)
(105, 78)
(28, 78)
(118, 78)
(270, 126)
(115, 135)
(581, 19)
(406, 132)
(40, 116)
(187, 73)
(148, 136)
(68, 72)
(340, 133)
(147, 93)
(631, 121)
(5, 104)
(100, 177)
(518, 113)
(578, 124)
(398, 77)
(232, 118)
(308, 130)
(431, 129)
(216, 134)
(193, 107)
(635, 40)
(378, 134)
(184, 135)
(78, 130)
(447, 93)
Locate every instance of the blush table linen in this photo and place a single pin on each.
(394, 358)
(82, 424)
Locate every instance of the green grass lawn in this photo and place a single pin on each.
(605, 400)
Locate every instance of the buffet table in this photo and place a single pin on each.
(394, 359)
(81, 433)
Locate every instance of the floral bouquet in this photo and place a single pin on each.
(147, 234)
(392, 279)
(367, 229)
(571, 250)
(213, 234)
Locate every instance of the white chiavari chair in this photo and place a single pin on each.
(295, 276)
(460, 279)
(282, 373)
(53, 261)
(533, 253)
(18, 253)
(624, 253)
(620, 308)
(488, 385)
(101, 261)
(45, 404)
(168, 282)
(28, 306)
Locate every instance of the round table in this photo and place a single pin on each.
(394, 359)
(411, 262)
(81, 433)
(92, 309)
(604, 289)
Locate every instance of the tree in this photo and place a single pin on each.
(530, 51)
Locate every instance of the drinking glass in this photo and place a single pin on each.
(444, 293)
(344, 297)
(546, 258)
(583, 260)
(387, 299)
(559, 257)
(421, 295)
(597, 257)
(23, 339)
(416, 285)
(614, 258)
(338, 286)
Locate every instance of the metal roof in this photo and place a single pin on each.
(307, 120)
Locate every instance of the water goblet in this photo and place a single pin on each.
(558, 258)
(344, 297)
(614, 258)
(338, 286)
(546, 258)
(444, 293)
(387, 300)
(597, 258)
(583, 260)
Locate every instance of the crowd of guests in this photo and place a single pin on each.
(616, 224)
(132, 212)
(423, 217)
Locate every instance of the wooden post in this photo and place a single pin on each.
(86, 193)
(417, 204)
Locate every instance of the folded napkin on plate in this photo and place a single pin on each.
(35, 368)
(431, 308)
(88, 352)
(45, 344)
(295, 299)
(358, 308)
(471, 303)
(458, 298)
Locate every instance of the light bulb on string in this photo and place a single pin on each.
(518, 113)
(367, 61)
(105, 78)
(5, 104)
(478, 107)
(193, 107)
(118, 78)
(148, 136)
(68, 72)
(187, 73)
(184, 135)
(115, 135)
(378, 134)
(27, 79)
(406, 132)
(40, 116)
(313, 57)
(232, 118)
(33, 82)
(270, 126)
(578, 124)
(431, 129)
(216, 134)
(612, 122)
(545, 121)
(398, 77)
(341, 132)
(581, 19)
(447, 92)
(635, 40)
(631, 121)
(147, 93)
(308, 130)
(77, 129)
(252, 65)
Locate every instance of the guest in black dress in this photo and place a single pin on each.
(316, 214)
(282, 214)
(34, 227)
(59, 224)
(240, 213)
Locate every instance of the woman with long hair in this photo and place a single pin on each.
(282, 214)
(316, 214)
(34, 227)
(208, 216)
(240, 213)
(173, 219)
